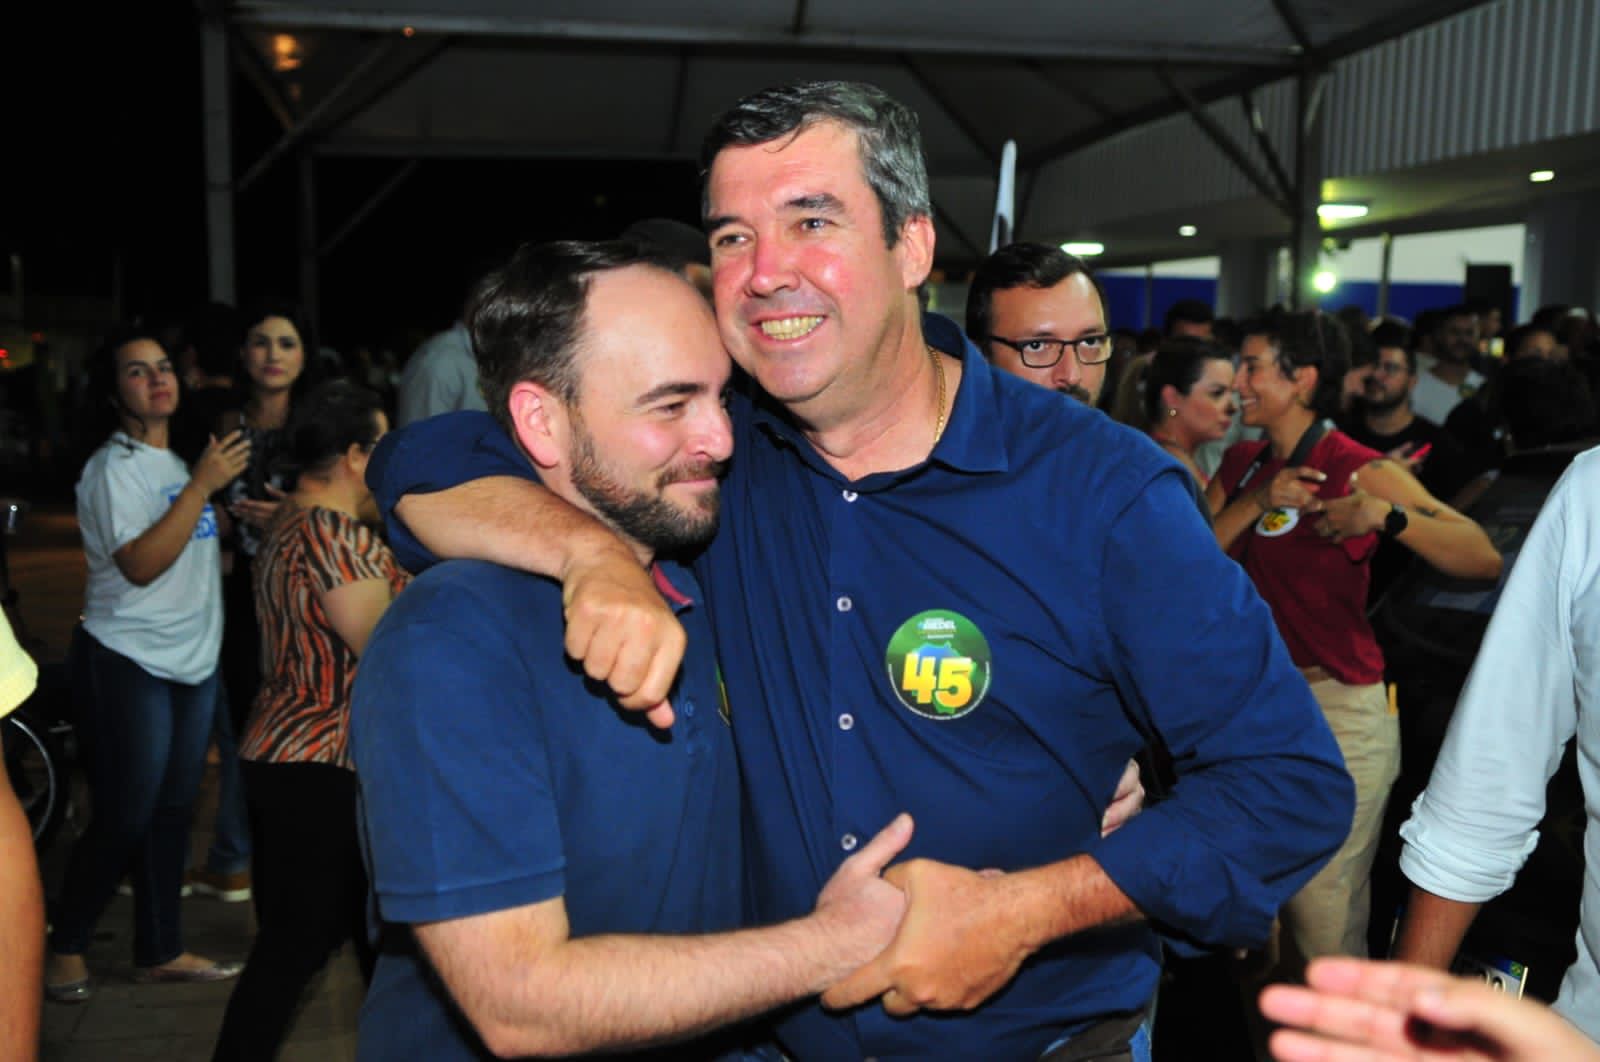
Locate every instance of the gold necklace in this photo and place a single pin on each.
(938, 371)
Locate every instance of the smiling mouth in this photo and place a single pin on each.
(789, 327)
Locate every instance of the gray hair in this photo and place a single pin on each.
(886, 131)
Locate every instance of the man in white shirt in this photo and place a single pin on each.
(1448, 377)
(1535, 684)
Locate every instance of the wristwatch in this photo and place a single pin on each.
(1396, 521)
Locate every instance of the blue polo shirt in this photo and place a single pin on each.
(983, 640)
(494, 775)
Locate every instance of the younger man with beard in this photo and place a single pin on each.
(1448, 376)
(1383, 420)
(570, 876)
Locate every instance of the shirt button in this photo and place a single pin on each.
(850, 495)
(847, 721)
(688, 709)
(844, 604)
(848, 842)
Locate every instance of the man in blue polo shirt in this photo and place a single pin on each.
(937, 588)
(570, 875)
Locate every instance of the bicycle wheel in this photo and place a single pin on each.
(36, 775)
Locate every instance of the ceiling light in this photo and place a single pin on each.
(287, 54)
(1541, 176)
(1324, 280)
(1341, 211)
(1187, 230)
(1086, 249)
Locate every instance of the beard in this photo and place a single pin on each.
(647, 517)
(1382, 401)
(1080, 393)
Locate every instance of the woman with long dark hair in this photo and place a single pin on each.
(1302, 511)
(277, 368)
(1187, 393)
(323, 579)
(149, 640)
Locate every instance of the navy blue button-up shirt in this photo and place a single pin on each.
(983, 640)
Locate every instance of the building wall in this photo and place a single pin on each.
(1503, 75)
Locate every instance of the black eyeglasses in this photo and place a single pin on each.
(1042, 353)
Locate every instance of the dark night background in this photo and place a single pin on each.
(104, 190)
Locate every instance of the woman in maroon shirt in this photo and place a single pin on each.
(1302, 511)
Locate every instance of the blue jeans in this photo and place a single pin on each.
(144, 740)
(230, 843)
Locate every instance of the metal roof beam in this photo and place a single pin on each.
(1258, 130)
(1297, 28)
(365, 210)
(294, 16)
(947, 105)
(943, 217)
(308, 124)
(1070, 89)
(255, 71)
(1224, 141)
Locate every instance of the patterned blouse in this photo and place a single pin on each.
(302, 712)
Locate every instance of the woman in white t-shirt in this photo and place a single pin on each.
(152, 627)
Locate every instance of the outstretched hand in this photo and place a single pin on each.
(1359, 1010)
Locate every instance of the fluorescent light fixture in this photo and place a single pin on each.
(1324, 280)
(1541, 176)
(1341, 211)
(1085, 249)
(1187, 230)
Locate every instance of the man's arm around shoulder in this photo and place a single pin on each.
(456, 486)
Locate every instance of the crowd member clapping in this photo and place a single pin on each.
(149, 641)
(1302, 511)
(1188, 398)
(322, 579)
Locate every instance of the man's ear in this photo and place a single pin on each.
(915, 250)
(539, 420)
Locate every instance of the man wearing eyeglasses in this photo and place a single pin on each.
(1038, 314)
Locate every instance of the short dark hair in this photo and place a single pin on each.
(1020, 265)
(1545, 403)
(1309, 339)
(1179, 361)
(678, 243)
(526, 317)
(1189, 311)
(102, 398)
(335, 416)
(886, 131)
(1390, 335)
(1520, 336)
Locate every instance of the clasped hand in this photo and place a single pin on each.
(954, 949)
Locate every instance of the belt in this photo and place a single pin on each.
(1107, 1040)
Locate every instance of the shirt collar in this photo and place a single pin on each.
(669, 577)
(972, 439)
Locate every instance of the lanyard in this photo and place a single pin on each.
(1302, 450)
